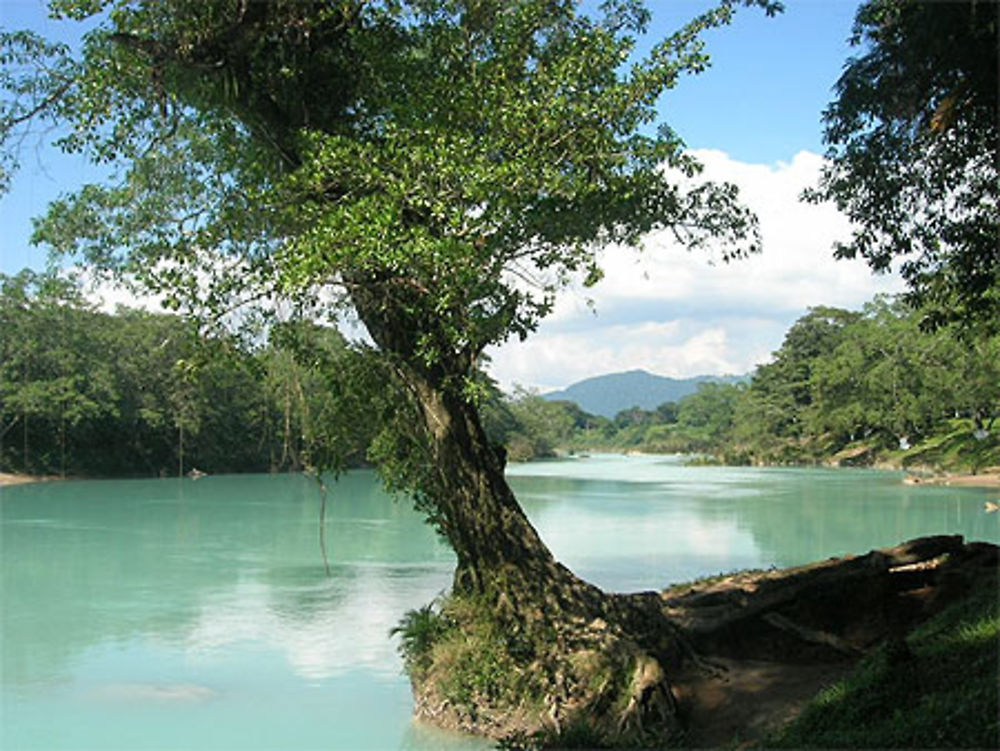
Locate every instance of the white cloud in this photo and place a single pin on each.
(673, 312)
(107, 295)
(669, 347)
(348, 630)
(669, 311)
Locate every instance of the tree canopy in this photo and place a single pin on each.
(459, 158)
(914, 151)
(440, 167)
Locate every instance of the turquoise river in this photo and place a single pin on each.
(200, 614)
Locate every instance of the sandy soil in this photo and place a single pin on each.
(9, 479)
(989, 478)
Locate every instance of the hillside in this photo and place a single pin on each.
(606, 395)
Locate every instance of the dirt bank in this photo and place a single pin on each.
(9, 479)
(767, 642)
(989, 478)
(6, 479)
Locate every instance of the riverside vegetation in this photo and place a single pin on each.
(88, 393)
(846, 387)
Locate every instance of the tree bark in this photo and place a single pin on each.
(601, 659)
(500, 554)
(499, 551)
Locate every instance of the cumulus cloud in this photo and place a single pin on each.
(678, 313)
(108, 295)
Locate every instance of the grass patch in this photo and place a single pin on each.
(944, 696)
(681, 588)
(457, 645)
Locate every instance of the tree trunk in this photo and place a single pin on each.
(599, 657)
(500, 554)
(594, 659)
(62, 446)
(498, 549)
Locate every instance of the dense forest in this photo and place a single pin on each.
(88, 393)
(848, 387)
(83, 392)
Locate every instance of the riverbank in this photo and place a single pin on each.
(939, 683)
(759, 650)
(987, 479)
(9, 479)
(811, 657)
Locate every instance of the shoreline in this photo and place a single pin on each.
(8, 479)
(988, 479)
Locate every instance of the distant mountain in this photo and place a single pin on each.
(609, 394)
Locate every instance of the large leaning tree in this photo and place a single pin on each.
(441, 168)
(914, 151)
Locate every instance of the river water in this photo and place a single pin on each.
(200, 614)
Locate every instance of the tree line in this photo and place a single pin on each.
(848, 386)
(84, 392)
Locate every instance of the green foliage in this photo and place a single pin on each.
(873, 381)
(475, 661)
(85, 392)
(955, 447)
(867, 382)
(944, 697)
(418, 631)
(914, 151)
(441, 167)
(540, 426)
(707, 415)
(440, 145)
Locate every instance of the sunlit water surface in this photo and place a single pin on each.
(183, 614)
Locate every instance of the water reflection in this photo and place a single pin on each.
(165, 613)
(209, 563)
(649, 521)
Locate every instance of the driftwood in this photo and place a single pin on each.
(831, 610)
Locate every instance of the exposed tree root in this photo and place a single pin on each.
(647, 667)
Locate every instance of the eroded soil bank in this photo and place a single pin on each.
(759, 645)
(768, 641)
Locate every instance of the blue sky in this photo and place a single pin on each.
(754, 117)
(769, 82)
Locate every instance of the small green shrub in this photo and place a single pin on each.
(418, 631)
(477, 660)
